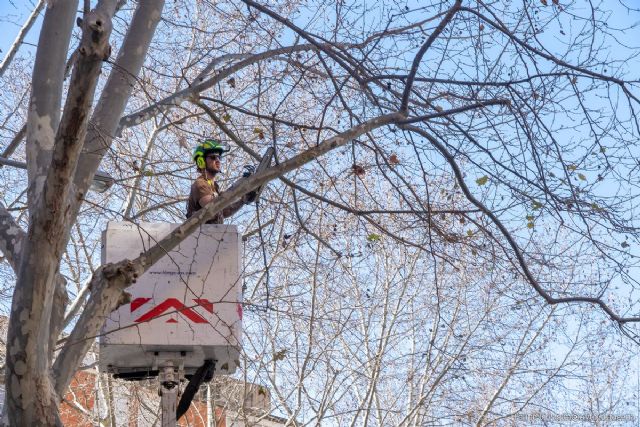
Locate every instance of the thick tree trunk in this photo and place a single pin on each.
(53, 152)
(46, 93)
(105, 119)
(31, 399)
(32, 392)
(116, 92)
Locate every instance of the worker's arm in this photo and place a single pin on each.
(204, 192)
(229, 211)
(206, 200)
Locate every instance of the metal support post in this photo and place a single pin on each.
(168, 396)
(210, 408)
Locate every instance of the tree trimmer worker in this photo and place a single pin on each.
(208, 158)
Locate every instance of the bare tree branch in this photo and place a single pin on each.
(201, 85)
(15, 142)
(28, 369)
(512, 243)
(404, 104)
(11, 238)
(110, 280)
(20, 37)
(117, 91)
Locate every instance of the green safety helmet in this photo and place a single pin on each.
(207, 146)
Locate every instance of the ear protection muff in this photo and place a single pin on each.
(200, 162)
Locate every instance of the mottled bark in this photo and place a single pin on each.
(106, 290)
(109, 109)
(30, 398)
(53, 149)
(11, 238)
(46, 93)
(58, 310)
(116, 92)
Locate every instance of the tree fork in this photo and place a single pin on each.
(31, 399)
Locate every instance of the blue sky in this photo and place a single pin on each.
(13, 14)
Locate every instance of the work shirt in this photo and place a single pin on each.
(208, 187)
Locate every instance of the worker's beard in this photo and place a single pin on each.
(212, 172)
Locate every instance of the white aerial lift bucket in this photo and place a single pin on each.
(184, 310)
(184, 317)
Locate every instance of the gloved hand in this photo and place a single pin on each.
(248, 171)
(251, 196)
